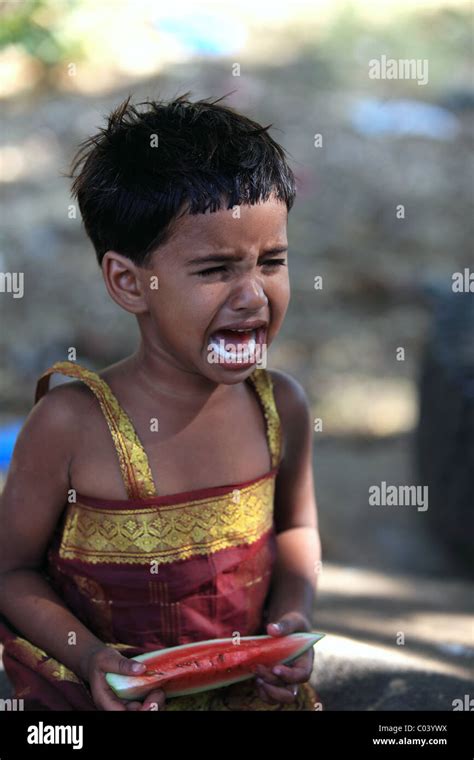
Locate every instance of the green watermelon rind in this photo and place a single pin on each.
(116, 681)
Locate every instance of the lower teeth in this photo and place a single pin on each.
(240, 353)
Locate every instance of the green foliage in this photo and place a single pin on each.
(31, 25)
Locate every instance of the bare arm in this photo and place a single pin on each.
(30, 506)
(294, 580)
(298, 544)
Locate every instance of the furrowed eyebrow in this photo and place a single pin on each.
(219, 257)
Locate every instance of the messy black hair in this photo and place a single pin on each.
(148, 167)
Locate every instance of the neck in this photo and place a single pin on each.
(161, 378)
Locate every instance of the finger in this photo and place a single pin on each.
(112, 696)
(292, 622)
(277, 695)
(281, 695)
(263, 695)
(297, 671)
(303, 659)
(133, 706)
(280, 685)
(107, 699)
(155, 700)
(113, 662)
(292, 675)
(265, 674)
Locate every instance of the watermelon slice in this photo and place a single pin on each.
(204, 665)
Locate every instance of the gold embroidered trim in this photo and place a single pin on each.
(242, 697)
(136, 472)
(263, 383)
(134, 464)
(168, 533)
(37, 659)
(121, 647)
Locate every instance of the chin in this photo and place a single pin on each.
(230, 375)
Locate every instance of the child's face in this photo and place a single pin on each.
(196, 298)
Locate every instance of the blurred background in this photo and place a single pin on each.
(384, 349)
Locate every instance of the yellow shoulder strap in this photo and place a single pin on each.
(263, 384)
(133, 460)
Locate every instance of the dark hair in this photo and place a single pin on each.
(129, 192)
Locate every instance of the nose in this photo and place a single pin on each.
(248, 294)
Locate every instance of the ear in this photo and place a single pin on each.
(125, 282)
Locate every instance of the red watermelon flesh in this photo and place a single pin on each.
(191, 668)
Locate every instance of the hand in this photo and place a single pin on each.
(104, 659)
(280, 684)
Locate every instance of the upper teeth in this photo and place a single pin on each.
(245, 329)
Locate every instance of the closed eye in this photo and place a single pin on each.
(271, 263)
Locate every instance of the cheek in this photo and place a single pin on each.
(279, 296)
(172, 295)
(192, 309)
(200, 305)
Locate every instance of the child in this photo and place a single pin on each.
(202, 523)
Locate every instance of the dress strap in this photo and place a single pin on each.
(134, 465)
(263, 384)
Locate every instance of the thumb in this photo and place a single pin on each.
(289, 623)
(114, 662)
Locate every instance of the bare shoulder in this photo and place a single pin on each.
(292, 405)
(63, 403)
(38, 477)
(295, 501)
(50, 429)
(289, 394)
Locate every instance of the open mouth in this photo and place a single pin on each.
(236, 347)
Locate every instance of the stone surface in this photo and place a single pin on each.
(362, 663)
